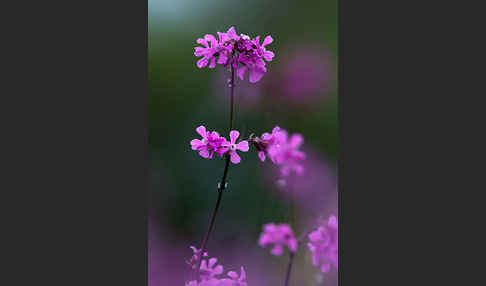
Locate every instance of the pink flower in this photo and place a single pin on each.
(263, 144)
(324, 245)
(261, 51)
(209, 143)
(208, 51)
(235, 279)
(232, 146)
(255, 66)
(245, 52)
(286, 154)
(207, 271)
(281, 150)
(279, 235)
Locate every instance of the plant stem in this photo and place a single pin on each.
(222, 185)
(289, 268)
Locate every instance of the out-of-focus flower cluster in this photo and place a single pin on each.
(244, 53)
(280, 235)
(323, 244)
(281, 149)
(212, 142)
(209, 272)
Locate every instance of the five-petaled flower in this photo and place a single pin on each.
(279, 234)
(323, 244)
(209, 143)
(232, 146)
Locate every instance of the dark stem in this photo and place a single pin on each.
(289, 269)
(222, 184)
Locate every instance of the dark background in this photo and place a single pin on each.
(298, 93)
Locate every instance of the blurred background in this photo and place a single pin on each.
(298, 93)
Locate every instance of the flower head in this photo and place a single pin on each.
(208, 144)
(244, 53)
(281, 150)
(323, 244)
(279, 234)
(232, 146)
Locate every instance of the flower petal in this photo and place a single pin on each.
(233, 275)
(268, 40)
(211, 39)
(277, 250)
(243, 146)
(196, 144)
(243, 274)
(204, 153)
(202, 42)
(256, 74)
(202, 62)
(218, 270)
(261, 155)
(268, 56)
(212, 65)
(212, 261)
(198, 51)
(234, 135)
(296, 140)
(241, 72)
(201, 130)
(235, 158)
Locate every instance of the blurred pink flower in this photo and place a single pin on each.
(323, 244)
(304, 76)
(281, 235)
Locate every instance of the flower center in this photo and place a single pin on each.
(233, 146)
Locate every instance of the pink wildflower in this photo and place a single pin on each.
(279, 235)
(263, 144)
(281, 150)
(324, 245)
(207, 271)
(209, 144)
(208, 51)
(286, 154)
(232, 146)
(244, 51)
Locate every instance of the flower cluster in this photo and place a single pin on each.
(324, 245)
(212, 142)
(209, 273)
(241, 51)
(281, 149)
(280, 235)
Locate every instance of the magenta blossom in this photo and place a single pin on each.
(232, 146)
(324, 245)
(243, 52)
(209, 52)
(281, 150)
(208, 270)
(209, 143)
(286, 154)
(279, 235)
(263, 144)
